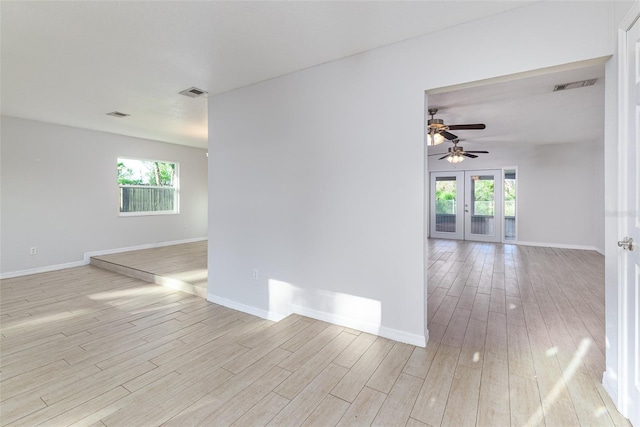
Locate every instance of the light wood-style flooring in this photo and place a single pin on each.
(517, 339)
(182, 267)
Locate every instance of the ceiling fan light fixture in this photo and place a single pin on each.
(434, 138)
(455, 158)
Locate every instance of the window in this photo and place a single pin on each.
(147, 187)
(446, 188)
(509, 204)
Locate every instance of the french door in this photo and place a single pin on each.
(466, 205)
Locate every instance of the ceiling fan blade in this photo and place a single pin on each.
(477, 152)
(467, 127)
(444, 157)
(448, 135)
(466, 154)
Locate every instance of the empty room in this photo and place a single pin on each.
(319, 213)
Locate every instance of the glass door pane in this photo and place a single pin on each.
(446, 200)
(509, 205)
(483, 205)
(446, 191)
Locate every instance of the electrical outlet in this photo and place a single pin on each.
(255, 274)
(33, 250)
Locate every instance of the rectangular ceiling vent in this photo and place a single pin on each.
(194, 92)
(117, 114)
(575, 85)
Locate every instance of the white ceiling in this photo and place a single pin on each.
(521, 110)
(72, 62)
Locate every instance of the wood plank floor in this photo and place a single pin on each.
(517, 339)
(182, 267)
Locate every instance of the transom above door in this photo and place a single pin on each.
(466, 205)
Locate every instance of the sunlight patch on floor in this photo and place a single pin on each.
(39, 320)
(126, 293)
(600, 411)
(192, 276)
(154, 308)
(560, 384)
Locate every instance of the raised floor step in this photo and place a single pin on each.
(182, 267)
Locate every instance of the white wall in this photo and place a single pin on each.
(560, 190)
(316, 178)
(59, 193)
(598, 199)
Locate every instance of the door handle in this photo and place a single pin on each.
(626, 244)
(466, 210)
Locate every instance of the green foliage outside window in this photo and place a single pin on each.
(147, 186)
(484, 197)
(509, 197)
(146, 172)
(445, 198)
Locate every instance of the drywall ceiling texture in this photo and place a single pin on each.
(72, 62)
(317, 178)
(59, 193)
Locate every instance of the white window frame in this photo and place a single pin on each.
(176, 188)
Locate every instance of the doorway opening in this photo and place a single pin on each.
(546, 164)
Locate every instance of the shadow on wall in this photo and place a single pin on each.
(341, 309)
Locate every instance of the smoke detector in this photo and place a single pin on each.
(117, 114)
(194, 92)
(574, 85)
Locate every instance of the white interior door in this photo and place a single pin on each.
(446, 215)
(630, 228)
(483, 205)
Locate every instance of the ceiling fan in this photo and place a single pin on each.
(457, 154)
(437, 131)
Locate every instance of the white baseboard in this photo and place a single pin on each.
(554, 245)
(88, 255)
(405, 337)
(255, 311)
(44, 269)
(610, 386)
(392, 334)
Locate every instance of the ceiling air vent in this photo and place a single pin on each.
(194, 92)
(118, 114)
(574, 85)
